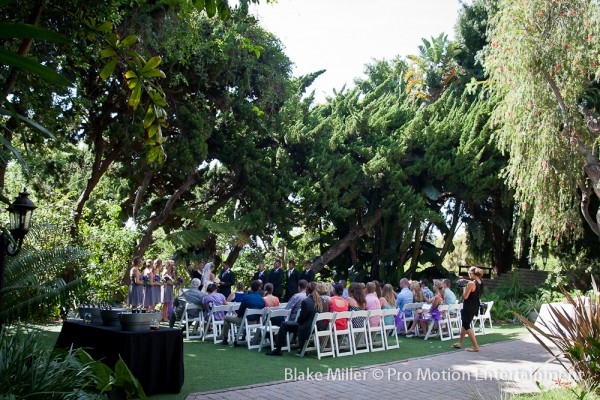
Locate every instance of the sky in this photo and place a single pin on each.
(342, 36)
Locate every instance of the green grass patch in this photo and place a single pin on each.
(211, 366)
(557, 394)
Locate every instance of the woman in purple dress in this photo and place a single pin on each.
(169, 277)
(135, 297)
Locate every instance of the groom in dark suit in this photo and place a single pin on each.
(227, 280)
(276, 279)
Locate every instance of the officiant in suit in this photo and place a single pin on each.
(276, 279)
(291, 283)
(227, 280)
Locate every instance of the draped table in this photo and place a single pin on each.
(155, 358)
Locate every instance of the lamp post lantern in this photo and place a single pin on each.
(20, 217)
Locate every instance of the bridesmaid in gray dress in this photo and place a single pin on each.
(168, 297)
(156, 282)
(135, 297)
(150, 298)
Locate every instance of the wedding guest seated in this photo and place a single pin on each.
(270, 300)
(388, 300)
(449, 296)
(356, 302)
(193, 296)
(295, 302)
(425, 316)
(309, 307)
(425, 287)
(252, 300)
(238, 295)
(372, 302)
(213, 299)
(404, 297)
(418, 297)
(337, 304)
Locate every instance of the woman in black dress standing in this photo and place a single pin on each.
(471, 295)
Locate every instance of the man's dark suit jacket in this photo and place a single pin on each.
(308, 310)
(227, 279)
(264, 277)
(276, 279)
(308, 276)
(291, 283)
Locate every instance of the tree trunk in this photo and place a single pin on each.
(158, 220)
(449, 238)
(416, 248)
(234, 254)
(343, 244)
(98, 170)
(141, 191)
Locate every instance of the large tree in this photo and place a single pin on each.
(542, 60)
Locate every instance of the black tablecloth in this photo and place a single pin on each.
(154, 357)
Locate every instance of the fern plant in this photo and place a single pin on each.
(38, 282)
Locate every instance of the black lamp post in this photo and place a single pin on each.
(20, 217)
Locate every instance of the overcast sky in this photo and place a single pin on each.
(342, 36)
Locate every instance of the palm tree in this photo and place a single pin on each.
(432, 70)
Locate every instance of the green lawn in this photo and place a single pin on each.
(210, 367)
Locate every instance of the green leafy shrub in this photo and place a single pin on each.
(29, 369)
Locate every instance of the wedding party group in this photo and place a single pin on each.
(153, 284)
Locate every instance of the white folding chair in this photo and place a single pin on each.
(375, 328)
(233, 309)
(409, 311)
(268, 328)
(440, 324)
(188, 323)
(321, 338)
(214, 324)
(251, 328)
(480, 320)
(346, 342)
(454, 319)
(358, 328)
(389, 329)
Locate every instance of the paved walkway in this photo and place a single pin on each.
(511, 367)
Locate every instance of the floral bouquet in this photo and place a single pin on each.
(167, 278)
(156, 278)
(179, 281)
(146, 280)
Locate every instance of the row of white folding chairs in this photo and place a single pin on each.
(357, 338)
(449, 326)
(261, 326)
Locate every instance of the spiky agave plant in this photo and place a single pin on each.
(576, 336)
